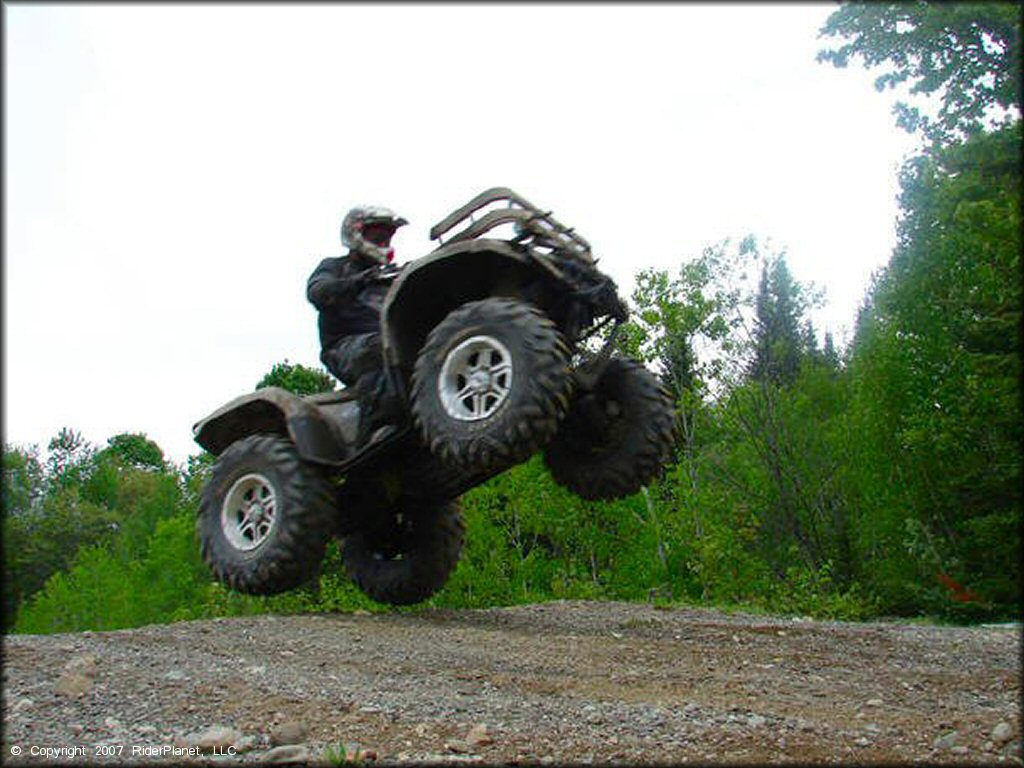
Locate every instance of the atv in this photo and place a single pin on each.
(493, 346)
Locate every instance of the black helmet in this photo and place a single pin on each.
(367, 230)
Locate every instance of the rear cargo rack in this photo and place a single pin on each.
(533, 225)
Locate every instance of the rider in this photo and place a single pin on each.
(348, 295)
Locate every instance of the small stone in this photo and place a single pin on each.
(1002, 733)
(218, 737)
(959, 749)
(873, 703)
(863, 742)
(245, 744)
(289, 732)
(175, 675)
(479, 736)
(290, 753)
(946, 741)
(86, 664)
(987, 746)
(112, 723)
(23, 703)
(73, 684)
(756, 721)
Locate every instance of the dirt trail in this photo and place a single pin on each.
(556, 682)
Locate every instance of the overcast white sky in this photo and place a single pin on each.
(174, 173)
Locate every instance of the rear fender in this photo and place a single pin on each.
(273, 410)
(431, 287)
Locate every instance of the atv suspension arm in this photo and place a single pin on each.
(590, 370)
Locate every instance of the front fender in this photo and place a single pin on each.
(431, 287)
(273, 410)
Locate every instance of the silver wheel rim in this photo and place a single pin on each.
(475, 379)
(249, 512)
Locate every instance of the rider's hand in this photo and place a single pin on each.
(364, 279)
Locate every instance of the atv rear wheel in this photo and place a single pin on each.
(265, 516)
(491, 384)
(615, 439)
(408, 560)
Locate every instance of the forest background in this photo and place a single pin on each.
(881, 479)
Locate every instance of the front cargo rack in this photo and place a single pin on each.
(533, 225)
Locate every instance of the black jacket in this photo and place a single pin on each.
(342, 289)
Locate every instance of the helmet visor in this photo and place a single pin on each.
(379, 232)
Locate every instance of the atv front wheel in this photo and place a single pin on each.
(410, 558)
(265, 516)
(491, 384)
(615, 439)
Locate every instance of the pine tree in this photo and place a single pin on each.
(777, 338)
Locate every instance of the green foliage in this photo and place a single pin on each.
(298, 378)
(135, 450)
(103, 591)
(687, 323)
(44, 541)
(779, 307)
(23, 480)
(69, 458)
(815, 593)
(109, 501)
(969, 54)
(936, 369)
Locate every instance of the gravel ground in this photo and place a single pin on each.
(564, 682)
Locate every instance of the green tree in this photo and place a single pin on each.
(968, 54)
(829, 354)
(111, 499)
(686, 324)
(136, 450)
(936, 365)
(69, 456)
(23, 480)
(298, 378)
(44, 541)
(777, 340)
